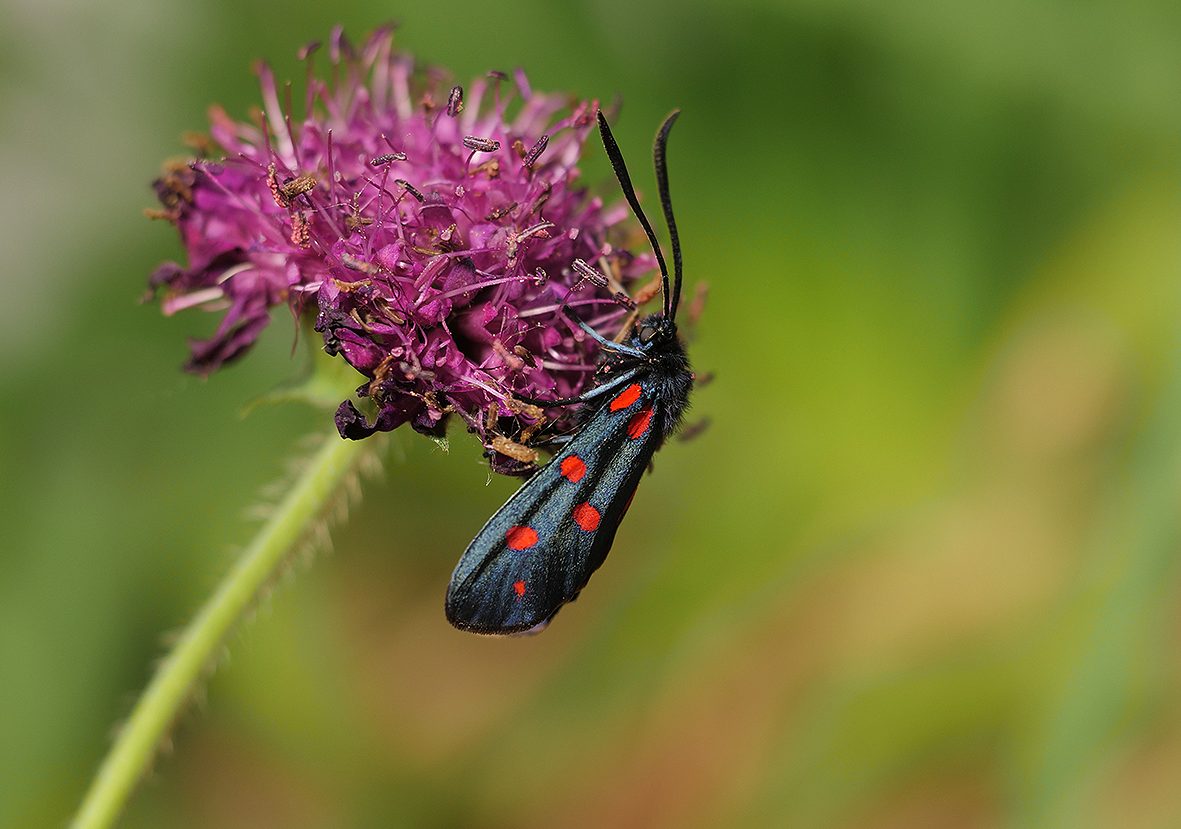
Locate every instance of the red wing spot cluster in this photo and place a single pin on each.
(587, 517)
(626, 397)
(573, 468)
(520, 538)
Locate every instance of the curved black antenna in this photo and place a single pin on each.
(629, 192)
(659, 151)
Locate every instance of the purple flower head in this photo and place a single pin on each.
(434, 232)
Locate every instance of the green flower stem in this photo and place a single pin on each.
(178, 675)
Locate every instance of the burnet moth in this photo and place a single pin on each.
(539, 550)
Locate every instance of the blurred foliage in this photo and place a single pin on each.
(919, 571)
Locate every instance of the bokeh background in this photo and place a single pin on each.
(921, 570)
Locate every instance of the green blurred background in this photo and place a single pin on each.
(920, 570)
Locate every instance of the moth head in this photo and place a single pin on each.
(653, 329)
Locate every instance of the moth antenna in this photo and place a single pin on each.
(629, 192)
(659, 157)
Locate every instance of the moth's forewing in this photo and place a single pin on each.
(539, 550)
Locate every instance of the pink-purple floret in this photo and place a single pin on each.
(430, 230)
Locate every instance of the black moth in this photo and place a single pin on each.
(539, 550)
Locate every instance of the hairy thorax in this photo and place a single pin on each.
(663, 370)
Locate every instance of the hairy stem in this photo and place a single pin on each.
(178, 675)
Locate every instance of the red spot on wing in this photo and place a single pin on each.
(626, 397)
(586, 517)
(521, 538)
(639, 423)
(519, 588)
(573, 468)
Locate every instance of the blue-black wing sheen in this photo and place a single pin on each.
(540, 549)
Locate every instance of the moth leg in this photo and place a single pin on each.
(618, 348)
(547, 404)
(585, 397)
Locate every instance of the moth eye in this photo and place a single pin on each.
(647, 333)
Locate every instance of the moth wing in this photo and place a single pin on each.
(539, 550)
